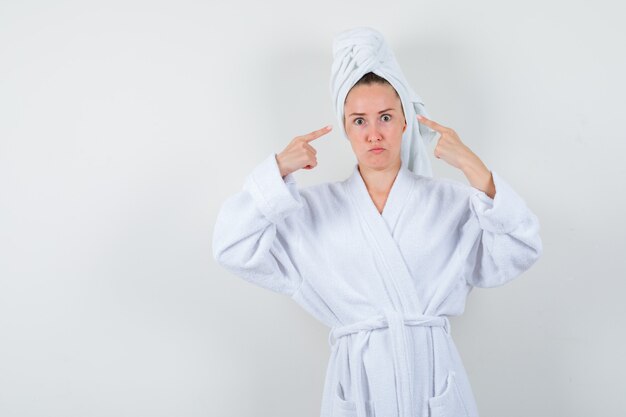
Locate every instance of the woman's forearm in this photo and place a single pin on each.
(478, 175)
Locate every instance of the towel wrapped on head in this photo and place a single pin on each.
(361, 50)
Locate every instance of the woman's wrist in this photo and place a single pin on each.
(280, 167)
(478, 175)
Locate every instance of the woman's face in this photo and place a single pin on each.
(374, 119)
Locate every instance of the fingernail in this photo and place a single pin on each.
(328, 127)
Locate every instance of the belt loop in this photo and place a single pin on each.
(446, 325)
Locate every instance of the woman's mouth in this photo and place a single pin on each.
(377, 150)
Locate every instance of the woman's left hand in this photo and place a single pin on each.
(450, 148)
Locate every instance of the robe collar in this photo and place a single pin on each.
(401, 188)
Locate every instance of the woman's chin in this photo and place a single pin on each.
(374, 161)
(379, 161)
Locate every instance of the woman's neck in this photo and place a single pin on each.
(379, 181)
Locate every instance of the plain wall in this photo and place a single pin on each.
(125, 124)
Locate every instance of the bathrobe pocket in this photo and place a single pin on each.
(343, 407)
(449, 402)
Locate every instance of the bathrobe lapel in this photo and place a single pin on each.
(399, 286)
(379, 230)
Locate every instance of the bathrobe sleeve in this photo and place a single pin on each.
(509, 242)
(256, 232)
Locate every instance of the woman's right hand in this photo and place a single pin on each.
(299, 153)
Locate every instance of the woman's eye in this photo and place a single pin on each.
(356, 121)
(386, 117)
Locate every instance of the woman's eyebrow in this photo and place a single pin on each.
(363, 114)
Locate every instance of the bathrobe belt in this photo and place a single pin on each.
(396, 323)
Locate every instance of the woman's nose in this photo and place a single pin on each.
(373, 133)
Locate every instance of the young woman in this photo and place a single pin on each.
(383, 257)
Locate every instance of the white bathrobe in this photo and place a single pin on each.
(384, 283)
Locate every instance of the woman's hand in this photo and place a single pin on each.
(299, 153)
(450, 148)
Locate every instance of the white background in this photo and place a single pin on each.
(125, 124)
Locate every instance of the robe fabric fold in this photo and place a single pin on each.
(384, 283)
(361, 50)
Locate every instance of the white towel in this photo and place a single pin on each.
(361, 50)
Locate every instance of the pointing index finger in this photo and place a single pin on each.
(317, 133)
(433, 125)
